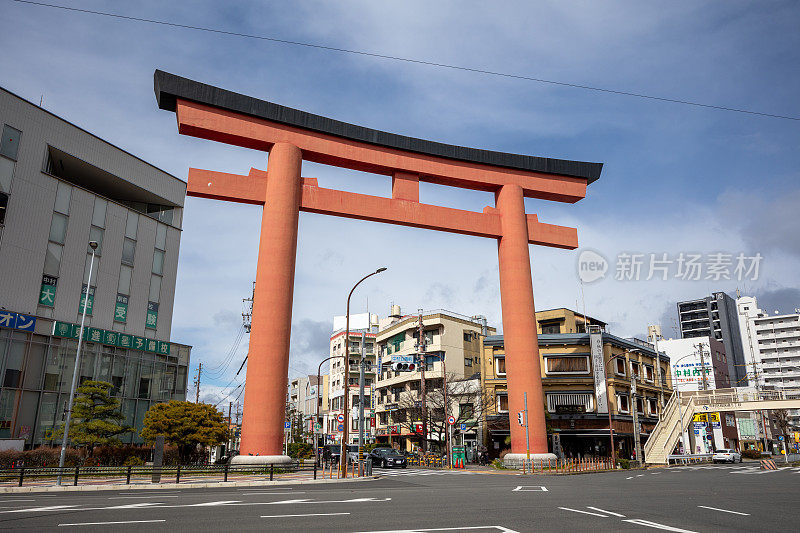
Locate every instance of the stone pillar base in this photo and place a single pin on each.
(260, 459)
(514, 460)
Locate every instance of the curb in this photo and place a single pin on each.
(173, 486)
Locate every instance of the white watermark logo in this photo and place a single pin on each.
(632, 266)
(591, 266)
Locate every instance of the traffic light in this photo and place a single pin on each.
(403, 367)
(521, 418)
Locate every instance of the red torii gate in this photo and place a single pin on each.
(291, 136)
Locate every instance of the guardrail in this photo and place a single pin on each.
(77, 475)
(565, 466)
(430, 462)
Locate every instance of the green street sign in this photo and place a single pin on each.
(125, 341)
(89, 303)
(138, 343)
(121, 308)
(65, 329)
(151, 320)
(93, 334)
(47, 291)
(163, 348)
(110, 337)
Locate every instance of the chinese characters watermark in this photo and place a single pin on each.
(632, 266)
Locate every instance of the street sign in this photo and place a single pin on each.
(317, 426)
(463, 427)
(451, 420)
(340, 418)
(287, 425)
(340, 427)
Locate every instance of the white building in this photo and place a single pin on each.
(747, 307)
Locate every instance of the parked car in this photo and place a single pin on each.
(388, 458)
(725, 455)
(331, 453)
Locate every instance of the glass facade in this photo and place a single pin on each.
(37, 371)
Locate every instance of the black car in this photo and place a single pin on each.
(387, 458)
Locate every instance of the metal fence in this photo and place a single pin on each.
(89, 475)
(564, 466)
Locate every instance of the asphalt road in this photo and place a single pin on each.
(692, 499)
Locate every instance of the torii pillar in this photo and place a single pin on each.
(291, 136)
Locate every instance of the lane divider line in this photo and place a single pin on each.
(111, 523)
(723, 510)
(604, 511)
(656, 525)
(583, 512)
(297, 515)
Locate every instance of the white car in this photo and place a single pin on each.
(726, 456)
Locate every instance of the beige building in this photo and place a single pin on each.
(581, 383)
(337, 384)
(453, 348)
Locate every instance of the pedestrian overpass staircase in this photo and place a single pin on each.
(681, 408)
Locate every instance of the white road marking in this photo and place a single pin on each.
(211, 504)
(604, 511)
(501, 529)
(273, 493)
(656, 525)
(15, 501)
(629, 477)
(139, 497)
(135, 505)
(723, 510)
(640, 475)
(37, 509)
(530, 488)
(270, 488)
(583, 512)
(111, 523)
(294, 515)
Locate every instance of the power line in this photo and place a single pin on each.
(410, 60)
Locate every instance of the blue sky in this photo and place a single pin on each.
(676, 179)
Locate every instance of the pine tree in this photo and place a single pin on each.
(96, 418)
(185, 425)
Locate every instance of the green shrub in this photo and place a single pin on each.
(625, 464)
(300, 450)
(751, 454)
(133, 461)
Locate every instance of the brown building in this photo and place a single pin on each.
(584, 375)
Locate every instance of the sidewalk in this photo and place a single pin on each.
(142, 485)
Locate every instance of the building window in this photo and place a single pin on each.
(468, 361)
(58, 228)
(158, 262)
(3, 207)
(502, 402)
(652, 407)
(128, 251)
(620, 370)
(623, 405)
(99, 212)
(567, 364)
(96, 234)
(648, 373)
(6, 174)
(500, 366)
(551, 328)
(635, 370)
(640, 405)
(63, 193)
(466, 411)
(9, 144)
(467, 336)
(565, 403)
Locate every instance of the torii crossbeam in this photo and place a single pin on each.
(291, 136)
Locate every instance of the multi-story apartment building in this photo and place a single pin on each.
(304, 401)
(584, 375)
(345, 388)
(716, 316)
(60, 188)
(452, 351)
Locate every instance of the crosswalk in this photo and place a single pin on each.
(742, 469)
(417, 472)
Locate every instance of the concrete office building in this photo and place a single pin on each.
(61, 187)
(716, 316)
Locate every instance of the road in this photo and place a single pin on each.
(685, 499)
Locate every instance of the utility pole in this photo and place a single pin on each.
(230, 419)
(421, 347)
(636, 438)
(197, 383)
(527, 436)
(703, 377)
(361, 402)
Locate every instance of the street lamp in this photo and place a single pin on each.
(343, 463)
(93, 246)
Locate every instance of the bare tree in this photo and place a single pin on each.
(781, 418)
(465, 401)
